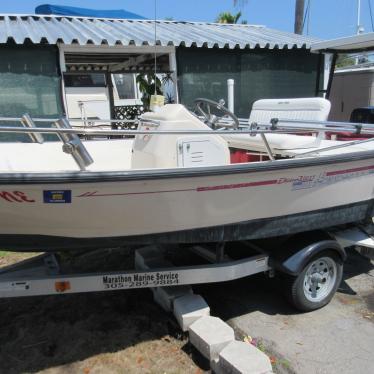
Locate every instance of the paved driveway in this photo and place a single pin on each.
(336, 339)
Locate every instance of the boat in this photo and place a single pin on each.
(175, 181)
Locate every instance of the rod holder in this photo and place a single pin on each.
(73, 145)
(27, 121)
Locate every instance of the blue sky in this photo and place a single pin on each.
(328, 18)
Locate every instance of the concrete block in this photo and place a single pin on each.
(210, 335)
(188, 309)
(165, 296)
(146, 254)
(241, 358)
(145, 263)
(148, 258)
(149, 251)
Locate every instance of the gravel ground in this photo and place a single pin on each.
(111, 332)
(126, 332)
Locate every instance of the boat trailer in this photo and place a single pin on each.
(42, 275)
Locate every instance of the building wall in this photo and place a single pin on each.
(351, 90)
(258, 74)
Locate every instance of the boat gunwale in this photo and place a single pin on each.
(16, 178)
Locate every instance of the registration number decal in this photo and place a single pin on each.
(57, 196)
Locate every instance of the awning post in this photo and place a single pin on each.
(331, 74)
(230, 95)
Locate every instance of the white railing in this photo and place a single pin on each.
(73, 145)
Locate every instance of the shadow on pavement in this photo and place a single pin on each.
(260, 293)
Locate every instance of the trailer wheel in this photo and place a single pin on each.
(317, 283)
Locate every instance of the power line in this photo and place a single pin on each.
(371, 16)
(306, 15)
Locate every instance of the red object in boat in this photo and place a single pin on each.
(239, 156)
(341, 135)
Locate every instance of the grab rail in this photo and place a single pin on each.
(74, 146)
(344, 145)
(93, 131)
(356, 125)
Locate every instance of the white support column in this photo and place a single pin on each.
(173, 69)
(61, 56)
(61, 59)
(230, 95)
(326, 70)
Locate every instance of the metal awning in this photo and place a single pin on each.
(356, 43)
(49, 29)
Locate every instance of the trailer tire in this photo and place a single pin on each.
(316, 284)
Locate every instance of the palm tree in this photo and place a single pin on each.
(227, 17)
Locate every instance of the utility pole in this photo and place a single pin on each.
(299, 15)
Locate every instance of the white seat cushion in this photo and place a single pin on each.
(313, 108)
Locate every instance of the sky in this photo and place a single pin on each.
(328, 18)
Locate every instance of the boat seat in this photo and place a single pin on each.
(170, 151)
(314, 108)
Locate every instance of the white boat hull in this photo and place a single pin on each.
(172, 208)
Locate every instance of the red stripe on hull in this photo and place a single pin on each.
(238, 185)
(224, 186)
(346, 171)
(86, 194)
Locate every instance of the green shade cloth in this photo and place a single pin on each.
(258, 74)
(29, 83)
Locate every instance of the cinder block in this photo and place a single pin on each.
(165, 296)
(148, 258)
(241, 358)
(146, 254)
(149, 263)
(210, 335)
(188, 309)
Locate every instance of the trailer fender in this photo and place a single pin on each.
(293, 261)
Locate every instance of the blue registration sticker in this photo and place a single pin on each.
(57, 196)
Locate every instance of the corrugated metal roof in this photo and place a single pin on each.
(354, 43)
(101, 31)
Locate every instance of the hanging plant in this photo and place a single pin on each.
(146, 82)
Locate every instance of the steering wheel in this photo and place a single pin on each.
(205, 107)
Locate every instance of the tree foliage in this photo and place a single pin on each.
(146, 84)
(344, 60)
(227, 17)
